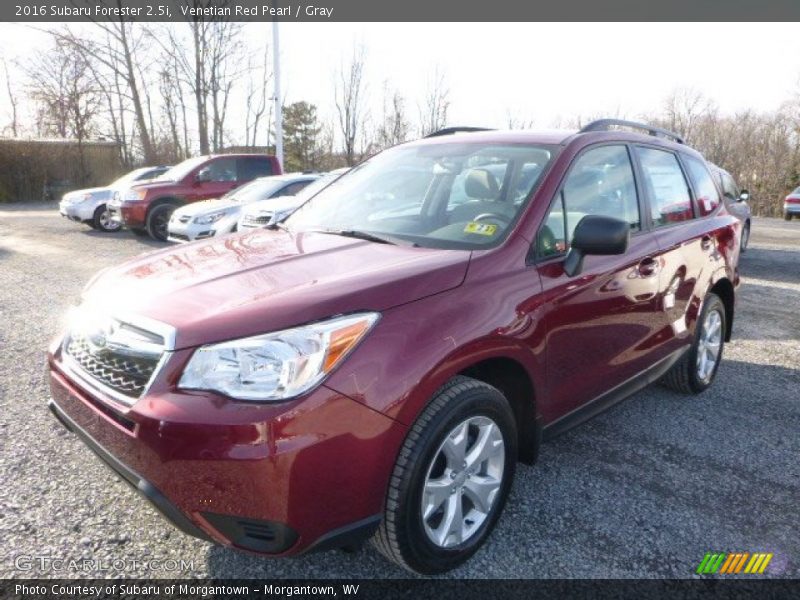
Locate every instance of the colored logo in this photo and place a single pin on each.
(733, 563)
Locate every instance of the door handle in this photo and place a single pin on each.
(706, 242)
(648, 267)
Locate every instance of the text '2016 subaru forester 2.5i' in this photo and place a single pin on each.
(379, 363)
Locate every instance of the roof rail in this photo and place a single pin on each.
(451, 130)
(606, 124)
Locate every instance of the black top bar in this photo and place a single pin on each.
(606, 124)
(451, 130)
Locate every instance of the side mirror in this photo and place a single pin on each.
(203, 175)
(744, 196)
(599, 235)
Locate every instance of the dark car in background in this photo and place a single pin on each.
(359, 371)
(736, 200)
(146, 209)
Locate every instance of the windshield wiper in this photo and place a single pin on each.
(359, 235)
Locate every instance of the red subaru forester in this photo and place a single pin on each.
(379, 363)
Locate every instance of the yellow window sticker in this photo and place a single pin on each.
(480, 228)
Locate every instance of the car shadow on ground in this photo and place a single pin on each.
(634, 492)
(143, 240)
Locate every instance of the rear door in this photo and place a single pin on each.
(680, 191)
(600, 323)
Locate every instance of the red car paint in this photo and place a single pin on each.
(320, 463)
(189, 189)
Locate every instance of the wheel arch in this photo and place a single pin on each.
(724, 289)
(515, 383)
(160, 202)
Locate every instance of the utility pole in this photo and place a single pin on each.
(278, 104)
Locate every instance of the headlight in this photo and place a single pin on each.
(208, 219)
(276, 366)
(134, 195)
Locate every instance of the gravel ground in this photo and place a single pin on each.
(644, 490)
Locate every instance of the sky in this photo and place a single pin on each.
(532, 71)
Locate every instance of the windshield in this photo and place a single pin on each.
(456, 195)
(259, 189)
(128, 177)
(181, 170)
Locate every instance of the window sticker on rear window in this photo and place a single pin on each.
(480, 228)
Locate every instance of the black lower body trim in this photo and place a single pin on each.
(351, 535)
(609, 399)
(168, 510)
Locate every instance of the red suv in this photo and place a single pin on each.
(147, 208)
(379, 363)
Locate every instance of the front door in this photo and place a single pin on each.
(600, 324)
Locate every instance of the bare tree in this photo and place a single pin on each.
(350, 99)
(394, 127)
(257, 100)
(433, 113)
(119, 51)
(12, 100)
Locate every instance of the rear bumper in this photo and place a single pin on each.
(275, 480)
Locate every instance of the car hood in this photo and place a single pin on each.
(278, 204)
(261, 281)
(206, 207)
(97, 191)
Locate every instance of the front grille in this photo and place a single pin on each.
(254, 221)
(124, 373)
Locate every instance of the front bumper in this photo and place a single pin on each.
(79, 212)
(274, 479)
(130, 214)
(791, 208)
(191, 231)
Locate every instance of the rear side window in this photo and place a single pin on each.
(729, 188)
(292, 188)
(707, 194)
(670, 201)
(252, 167)
(600, 182)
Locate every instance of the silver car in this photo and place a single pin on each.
(791, 205)
(266, 213)
(200, 220)
(90, 206)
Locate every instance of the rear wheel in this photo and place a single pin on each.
(451, 480)
(158, 221)
(696, 369)
(102, 220)
(745, 237)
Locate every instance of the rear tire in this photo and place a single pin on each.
(451, 479)
(102, 221)
(158, 221)
(745, 238)
(693, 373)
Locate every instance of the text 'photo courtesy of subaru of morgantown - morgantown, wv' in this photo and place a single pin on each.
(390, 348)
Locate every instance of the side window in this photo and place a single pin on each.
(707, 194)
(670, 201)
(729, 188)
(222, 169)
(600, 182)
(252, 167)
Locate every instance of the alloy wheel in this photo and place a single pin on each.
(709, 345)
(463, 481)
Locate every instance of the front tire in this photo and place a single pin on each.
(787, 216)
(158, 221)
(695, 371)
(102, 220)
(451, 479)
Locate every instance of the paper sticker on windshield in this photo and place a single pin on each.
(480, 228)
